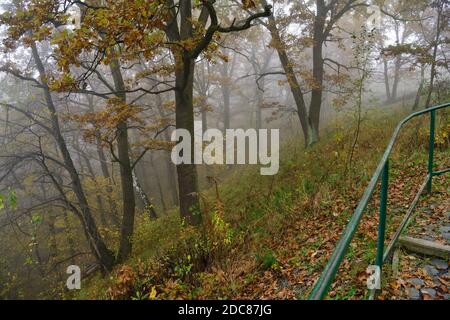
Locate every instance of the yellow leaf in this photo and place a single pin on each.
(152, 293)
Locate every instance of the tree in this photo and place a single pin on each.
(440, 5)
(427, 47)
(101, 32)
(319, 23)
(98, 247)
(17, 22)
(187, 47)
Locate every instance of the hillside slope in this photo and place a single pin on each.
(270, 236)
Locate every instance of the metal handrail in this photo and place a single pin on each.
(323, 284)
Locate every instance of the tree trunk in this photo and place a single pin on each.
(148, 206)
(435, 47)
(420, 88)
(386, 80)
(259, 102)
(316, 93)
(204, 116)
(184, 108)
(187, 173)
(170, 169)
(396, 78)
(158, 182)
(126, 172)
(292, 79)
(226, 91)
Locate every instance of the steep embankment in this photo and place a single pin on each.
(270, 236)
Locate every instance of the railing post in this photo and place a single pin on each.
(382, 213)
(431, 150)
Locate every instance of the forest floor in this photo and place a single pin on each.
(269, 237)
(295, 277)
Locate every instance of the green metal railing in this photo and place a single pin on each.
(323, 284)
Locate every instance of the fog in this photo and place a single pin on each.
(89, 101)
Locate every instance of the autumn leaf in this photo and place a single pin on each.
(153, 293)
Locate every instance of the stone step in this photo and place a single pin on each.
(426, 247)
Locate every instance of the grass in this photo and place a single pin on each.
(260, 230)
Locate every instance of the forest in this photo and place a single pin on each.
(217, 149)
